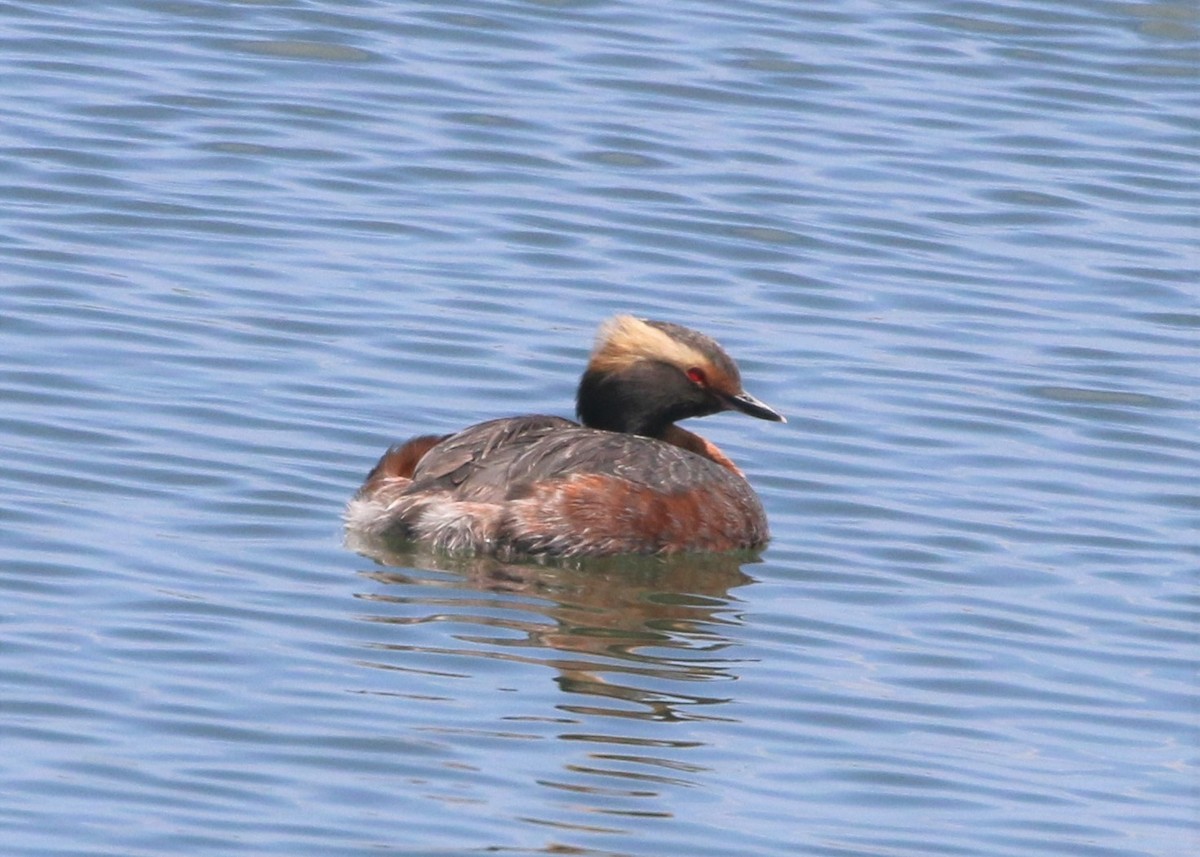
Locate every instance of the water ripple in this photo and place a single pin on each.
(246, 246)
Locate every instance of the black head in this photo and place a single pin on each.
(646, 375)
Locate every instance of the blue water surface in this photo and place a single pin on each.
(245, 246)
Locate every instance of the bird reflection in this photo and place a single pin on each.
(625, 630)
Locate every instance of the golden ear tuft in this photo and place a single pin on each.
(624, 340)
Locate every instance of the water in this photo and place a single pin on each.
(244, 246)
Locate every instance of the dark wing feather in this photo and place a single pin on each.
(641, 461)
(474, 463)
(505, 459)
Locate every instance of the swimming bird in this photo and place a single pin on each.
(624, 479)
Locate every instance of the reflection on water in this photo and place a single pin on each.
(628, 641)
(602, 625)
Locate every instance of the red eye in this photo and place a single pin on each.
(696, 376)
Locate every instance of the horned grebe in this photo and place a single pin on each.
(628, 480)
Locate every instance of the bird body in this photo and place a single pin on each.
(627, 480)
